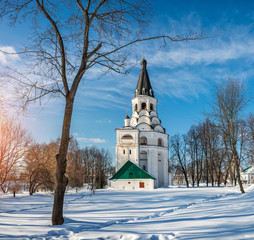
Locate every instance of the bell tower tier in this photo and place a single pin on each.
(143, 140)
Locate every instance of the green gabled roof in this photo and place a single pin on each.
(131, 171)
(246, 169)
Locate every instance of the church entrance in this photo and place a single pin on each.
(141, 185)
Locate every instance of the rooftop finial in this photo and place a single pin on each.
(127, 116)
(143, 63)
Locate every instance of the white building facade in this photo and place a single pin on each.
(247, 175)
(143, 140)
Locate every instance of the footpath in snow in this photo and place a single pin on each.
(172, 213)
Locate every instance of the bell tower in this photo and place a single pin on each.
(143, 138)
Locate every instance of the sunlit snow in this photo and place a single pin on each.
(169, 213)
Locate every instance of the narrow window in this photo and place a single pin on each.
(123, 151)
(136, 107)
(130, 151)
(151, 107)
(143, 105)
(143, 141)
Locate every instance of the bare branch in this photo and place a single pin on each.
(61, 44)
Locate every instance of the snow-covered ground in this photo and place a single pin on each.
(172, 213)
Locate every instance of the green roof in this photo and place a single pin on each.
(246, 169)
(131, 171)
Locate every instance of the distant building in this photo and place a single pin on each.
(142, 142)
(247, 175)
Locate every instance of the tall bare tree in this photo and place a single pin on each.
(37, 171)
(227, 109)
(214, 154)
(97, 166)
(14, 141)
(179, 155)
(196, 154)
(69, 38)
(74, 166)
(250, 127)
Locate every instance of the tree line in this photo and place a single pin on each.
(27, 165)
(214, 150)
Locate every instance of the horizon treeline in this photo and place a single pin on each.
(31, 166)
(215, 150)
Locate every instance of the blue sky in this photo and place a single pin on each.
(183, 75)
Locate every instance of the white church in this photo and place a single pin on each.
(142, 144)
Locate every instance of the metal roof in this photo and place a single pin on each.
(144, 86)
(131, 171)
(246, 169)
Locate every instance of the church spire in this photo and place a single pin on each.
(144, 86)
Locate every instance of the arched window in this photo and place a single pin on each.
(143, 160)
(151, 107)
(136, 107)
(143, 105)
(127, 136)
(143, 141)
(160, 142)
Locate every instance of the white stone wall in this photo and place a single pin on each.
(126, 149)
(132, 184)
(145, 123)
(146, 99)
(153, 151)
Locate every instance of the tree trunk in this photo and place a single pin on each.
(207, 172)
(61, 179)
(2, 188)
(238, 175)
(212, 180)
(186, 180)
(31, 189)
(231, 175)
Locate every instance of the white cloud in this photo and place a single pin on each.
(91, 140)
(7, 54)
(183, 84)
(205, 53)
